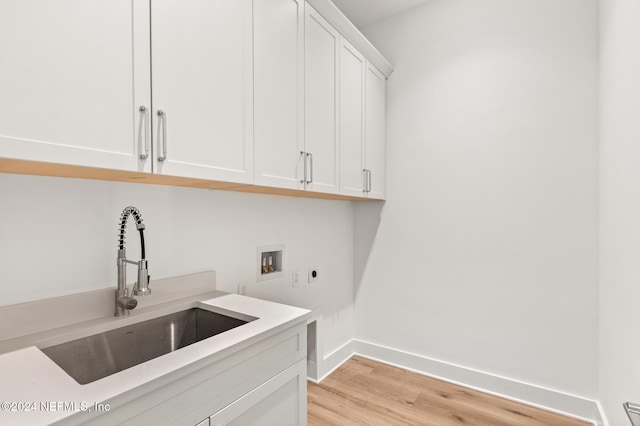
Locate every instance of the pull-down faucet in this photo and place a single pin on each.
(124, 302)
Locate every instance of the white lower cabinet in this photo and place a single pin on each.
(261, 383)
(275, 402)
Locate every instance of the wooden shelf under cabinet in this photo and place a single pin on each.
(24, 167)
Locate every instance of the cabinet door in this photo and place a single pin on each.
(352, 74)
(278, 92)
(375, 129)
(280, 401)
(74, 74)
(202, 82)
(322, 44)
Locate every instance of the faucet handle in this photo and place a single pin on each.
(129, 303)
(124, 304)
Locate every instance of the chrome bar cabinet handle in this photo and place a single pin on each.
(162, 124)
(143, 127)
(310, 156)
(304, 160)
(365, 183)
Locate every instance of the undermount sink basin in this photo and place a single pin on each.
(100, 355)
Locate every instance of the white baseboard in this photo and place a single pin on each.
(537, 396)
(548, 399)
(603, 415)
(334, 360)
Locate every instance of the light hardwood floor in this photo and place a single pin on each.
(364, 392)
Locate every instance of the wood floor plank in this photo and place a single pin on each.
(339, 407)
(365, 392)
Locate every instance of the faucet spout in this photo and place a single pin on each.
(142, 285)
(124, 302)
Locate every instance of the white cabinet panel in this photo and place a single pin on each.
(280, 401)
(362, 125)
(278, 92)
(322, 44)
(352, 74)
(69, 94)
(375, 128)
(202, 81)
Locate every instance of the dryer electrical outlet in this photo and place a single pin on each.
(314, 274)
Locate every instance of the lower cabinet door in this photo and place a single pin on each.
(280, 401)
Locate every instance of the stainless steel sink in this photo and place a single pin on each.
(94, 357)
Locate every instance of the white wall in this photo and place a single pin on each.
(486, 250)
(58, 236)
(620, 206)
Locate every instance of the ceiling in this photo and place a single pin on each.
(366, 12)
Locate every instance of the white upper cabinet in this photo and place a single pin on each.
(322, 47)
(278, 41)
(250, 92)
(202, 88)
(351, 105)
(375, 128)
(74, 75)
(362, 125)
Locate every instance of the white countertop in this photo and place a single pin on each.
(35, 391)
